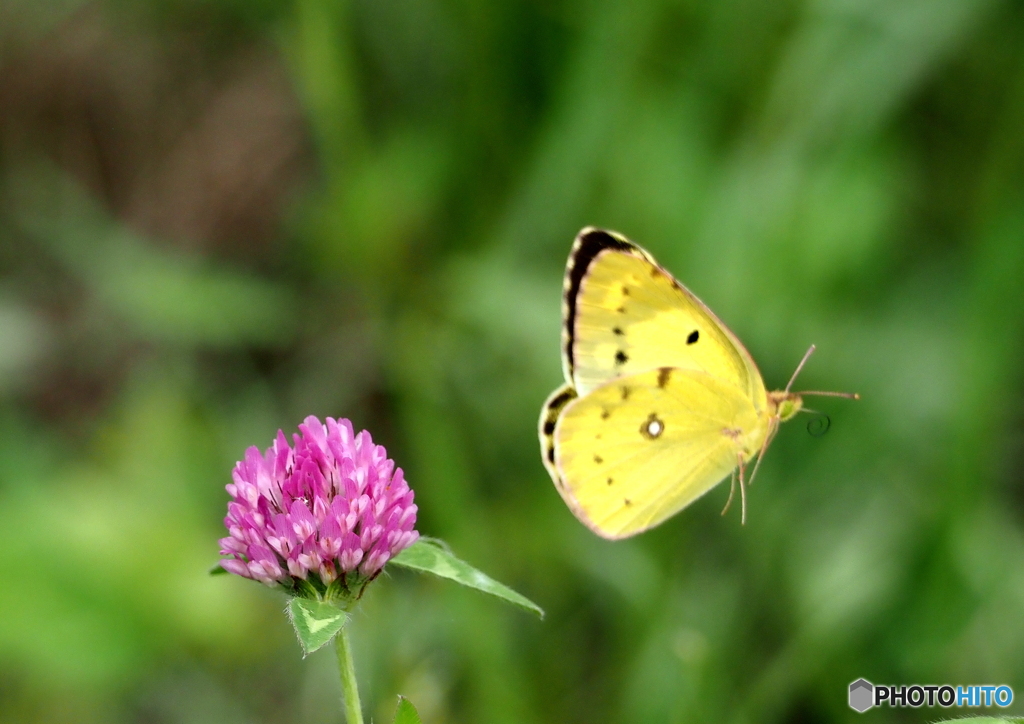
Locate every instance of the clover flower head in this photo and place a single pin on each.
(330, 507)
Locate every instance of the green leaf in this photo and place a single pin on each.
(217, 570)
(315, 622)
(431, 556)
(406, 713)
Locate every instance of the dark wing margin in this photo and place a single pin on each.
(549, 414)
(589, 243)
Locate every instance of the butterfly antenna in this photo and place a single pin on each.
(847, 395)
(807, 354)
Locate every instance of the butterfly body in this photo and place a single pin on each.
(661, 400)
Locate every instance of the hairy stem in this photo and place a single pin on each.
(353, 711)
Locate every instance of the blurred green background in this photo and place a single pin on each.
(219, 216)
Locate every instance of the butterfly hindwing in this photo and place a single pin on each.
(624, 314)
(639, 448)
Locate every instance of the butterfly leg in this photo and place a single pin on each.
(743, 492)
(732, 491)
(773, 427)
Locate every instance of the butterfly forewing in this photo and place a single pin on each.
(624, 314)
(639, 448)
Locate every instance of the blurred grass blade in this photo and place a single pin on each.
(406, 713)
(161, 295)
(315, 622)
(429, 555)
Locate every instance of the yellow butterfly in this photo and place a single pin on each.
(661, 401)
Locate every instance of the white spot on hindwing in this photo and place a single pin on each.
(652, 427)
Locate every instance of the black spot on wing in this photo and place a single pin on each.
(664, 374)
(551, 455)
(549, 427)
(621, 357)
(605, 414)
(625, 392)
(587, 247)
(598, 459)
(610, 481)
(693, 337)
(617, 331)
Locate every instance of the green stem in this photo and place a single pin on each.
(353, 712)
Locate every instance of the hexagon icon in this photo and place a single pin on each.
(862, 695)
